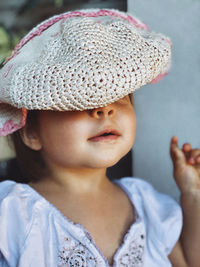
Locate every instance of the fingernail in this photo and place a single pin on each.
(174, 139)
(187, 147)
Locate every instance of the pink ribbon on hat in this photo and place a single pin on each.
(10, 126)
(38, 31)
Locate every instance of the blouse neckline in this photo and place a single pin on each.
(87, 235)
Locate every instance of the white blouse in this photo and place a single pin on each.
(33, 233)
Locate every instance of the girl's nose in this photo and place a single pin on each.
(107, 111)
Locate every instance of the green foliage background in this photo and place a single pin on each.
(8, 40)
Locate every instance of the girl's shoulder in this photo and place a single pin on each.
(5, 188)
(15, 194)
(17, 202)
(162, 215)
(145, 193)
(18, 208)
(148, 200)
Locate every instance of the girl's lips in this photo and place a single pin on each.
(105, 135)
(104, 138)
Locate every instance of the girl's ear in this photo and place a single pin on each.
(30, 138)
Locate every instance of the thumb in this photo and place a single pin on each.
(177, 154)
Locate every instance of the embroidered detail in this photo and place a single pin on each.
(134, 254)
(74, 254)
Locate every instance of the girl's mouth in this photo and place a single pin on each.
(105, 135)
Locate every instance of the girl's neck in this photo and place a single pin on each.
(76, 181)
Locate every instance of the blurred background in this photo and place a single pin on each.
(171, 107)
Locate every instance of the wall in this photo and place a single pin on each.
(6, 151)
(171, 107)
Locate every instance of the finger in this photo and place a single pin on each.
(193, 156)
(177, 154)
(191, 161)
(187, 147)
(197, 159)
(174, 140)
(173, 144)
(195, 152)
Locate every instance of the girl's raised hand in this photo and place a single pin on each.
(186, 163)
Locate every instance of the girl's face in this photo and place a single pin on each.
(96, 138)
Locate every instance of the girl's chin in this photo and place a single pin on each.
(105, 163)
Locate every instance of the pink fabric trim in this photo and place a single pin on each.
(48, 23)
(159, 78)
(8, 70)
(136, 23)
(168, 41)
(13, 54)
(9, 126)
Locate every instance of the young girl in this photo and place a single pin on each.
(66, 97)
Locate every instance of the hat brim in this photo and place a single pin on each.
(12, 119)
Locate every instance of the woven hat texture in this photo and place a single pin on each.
(79, 60)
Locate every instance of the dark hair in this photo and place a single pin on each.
(32, 166)
(131, 97)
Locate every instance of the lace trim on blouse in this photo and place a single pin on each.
(76, 254)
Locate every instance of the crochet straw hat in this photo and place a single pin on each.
(79, 60)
